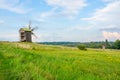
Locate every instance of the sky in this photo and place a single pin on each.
(61, 20)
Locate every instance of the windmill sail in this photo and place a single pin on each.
(29, 25)
(34, 35)
(34, 28)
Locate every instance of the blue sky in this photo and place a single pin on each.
(61, 20)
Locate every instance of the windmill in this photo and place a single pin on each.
(26, 33)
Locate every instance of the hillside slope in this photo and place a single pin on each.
(28, 61)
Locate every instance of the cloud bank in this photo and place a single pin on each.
(1, 21)
(107, 19)
(67, 7)
(111, 35)
(13, 6)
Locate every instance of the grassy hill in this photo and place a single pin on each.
(29, 61)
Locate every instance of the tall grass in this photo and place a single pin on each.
(27, 61)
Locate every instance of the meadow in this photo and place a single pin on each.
(30, 61)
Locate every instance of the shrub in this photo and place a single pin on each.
(117, 44)
(81, 47)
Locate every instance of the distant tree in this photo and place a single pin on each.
(107, 44)
(81, 47)
(117, 44)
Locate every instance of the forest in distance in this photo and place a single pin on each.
(99, 44)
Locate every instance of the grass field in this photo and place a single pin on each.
(27, 61)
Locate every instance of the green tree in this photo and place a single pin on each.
(107, 44)
(117, 44)
(81, 47)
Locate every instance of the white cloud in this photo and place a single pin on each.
(110, 0)
(13, 6)
(9, 37)
(111, 35)
(79, 28)
(47, 14)
(1, 21)
(106, 17)
(67, 7)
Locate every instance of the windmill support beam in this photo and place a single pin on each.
(25, 36)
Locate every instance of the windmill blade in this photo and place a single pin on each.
(34, 28)
(29, 24)
(34, 35)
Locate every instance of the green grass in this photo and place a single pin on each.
(27, 61)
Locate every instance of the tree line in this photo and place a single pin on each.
(106, 43)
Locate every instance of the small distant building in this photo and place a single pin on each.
(25, 34)
(103, 47)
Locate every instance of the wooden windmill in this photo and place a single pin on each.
(26, 33)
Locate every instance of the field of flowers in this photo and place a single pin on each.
(30, 61)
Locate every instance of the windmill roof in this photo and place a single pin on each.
(26, 29)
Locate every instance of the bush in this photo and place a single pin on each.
(81, 47)
(117, 44)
